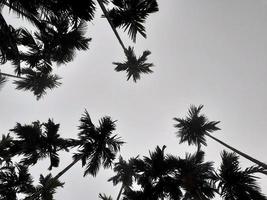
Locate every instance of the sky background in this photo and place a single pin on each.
(210, 52)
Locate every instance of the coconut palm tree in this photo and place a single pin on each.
(131, 15)
(37, 141)
(125, 174)
(155, 175)
(46, 189)
(56, 39)
(195, 127)
(37, 82)
(235, 183)
(133, 66)
(97, 145)
(14, 179)
(196, 176)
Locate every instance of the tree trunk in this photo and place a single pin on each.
(111, 24)
(33, 197)
(68, 167)
(261, 164)
(10, 75)
(119, 195)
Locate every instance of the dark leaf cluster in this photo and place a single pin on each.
(134, 66)
(131, 15)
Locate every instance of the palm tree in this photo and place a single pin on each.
(196, 126)
(46, 189)
(97, 145)
(235, 183)
(155, 175)
(57, 37)
(125, 173)
(131, 15)
(37, 82)
(14, 179)
(35, 142)
(196, 176)
(133, 66)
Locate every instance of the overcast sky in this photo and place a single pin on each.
(210, 52)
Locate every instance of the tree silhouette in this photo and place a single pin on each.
(133, 66)
(197, 177)
(97, 145)
(37, 141)
(196, 126)
(125, 174)
(154, 174)
(14, 179)
(131, 15)
(46, 189)
(235, 183)
(60, 32)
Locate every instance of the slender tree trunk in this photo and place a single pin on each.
(119, 195)
(102, 6)
(68, 167)
(57, 176)
(261, 164)
(10, 75)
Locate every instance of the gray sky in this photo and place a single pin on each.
(210, 52)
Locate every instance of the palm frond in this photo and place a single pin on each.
(97, 144)
(8, 48)
(37, 82)
(193, 128)
(131, 15)
(235, 183)
(46, 189)
(3, 80)
(104, 197)
(134, 66)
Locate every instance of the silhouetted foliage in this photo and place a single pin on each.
(46, 189)
(60, 32)
(196, 126)
(37, 82)
(37, 141)
(14, 179)
(98, 144)
(193, 128)
(104, 197)
(153, 177)
(134, 66)
(2, 80)
(235, 183)
(131, 15)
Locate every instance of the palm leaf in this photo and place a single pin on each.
(131, 15)
(235, 183)
(134, 66)
(46, 189)
(104, 197)
(193, 128)
(37, 82)
(3, 80)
